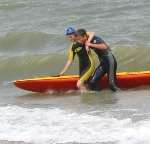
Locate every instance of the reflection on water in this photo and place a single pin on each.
(96, 98)
(69, 100)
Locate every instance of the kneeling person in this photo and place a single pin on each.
(107, 61)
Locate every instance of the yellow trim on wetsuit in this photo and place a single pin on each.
(90, 71)
(71, 54)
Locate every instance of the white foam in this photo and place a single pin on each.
(44, 126)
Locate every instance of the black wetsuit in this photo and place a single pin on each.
(107, 65)
(86, 66)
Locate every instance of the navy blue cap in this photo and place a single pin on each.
(70, 31)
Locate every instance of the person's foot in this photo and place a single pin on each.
(114, 88)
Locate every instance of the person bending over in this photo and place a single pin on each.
(86, 63)
(107, 61)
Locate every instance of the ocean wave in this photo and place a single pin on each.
(36, 64)
(11, 5)
(30, 65)
(53, 125)
(30, 41)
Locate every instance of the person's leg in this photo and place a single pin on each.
(115, 70)
(85, 75)
(111, 72)
(94, 81)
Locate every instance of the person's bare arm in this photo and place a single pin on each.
(98, 46)
(91, 35)
(67, 65)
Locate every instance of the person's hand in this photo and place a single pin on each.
(61, 74)
(88, 44)
(87, 48)
(56, 75)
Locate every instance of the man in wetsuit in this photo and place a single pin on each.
(86, 65)
(107, 60)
